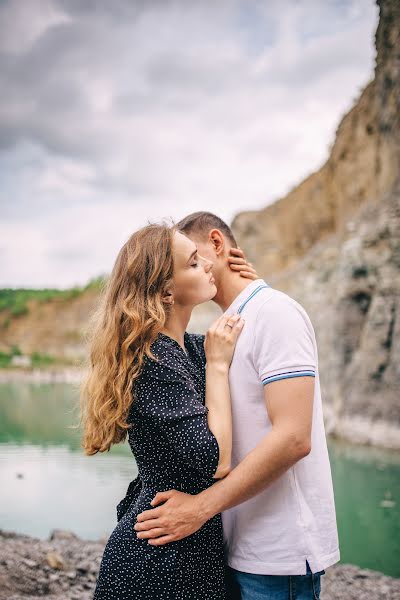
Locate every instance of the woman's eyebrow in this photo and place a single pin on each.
(191, 256)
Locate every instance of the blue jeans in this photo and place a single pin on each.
(248, 586)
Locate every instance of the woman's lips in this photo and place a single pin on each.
(212, 280)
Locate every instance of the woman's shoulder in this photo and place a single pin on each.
(197, 338)
(197, 342)
(166, 362)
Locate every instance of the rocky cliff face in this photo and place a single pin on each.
(333, 244)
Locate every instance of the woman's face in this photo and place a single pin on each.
(193, 281)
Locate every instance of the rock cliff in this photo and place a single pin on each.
(333, 244)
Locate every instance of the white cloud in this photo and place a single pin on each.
(116, 113)
(24, 21)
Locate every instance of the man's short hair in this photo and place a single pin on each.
(200, 223)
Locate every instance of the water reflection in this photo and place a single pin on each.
(47, 482)
(44, 488)
(367, 495)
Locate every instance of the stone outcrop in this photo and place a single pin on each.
(333, 244)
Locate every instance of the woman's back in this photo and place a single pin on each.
(170, 438)
(174, 449)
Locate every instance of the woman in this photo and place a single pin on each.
(148, 380)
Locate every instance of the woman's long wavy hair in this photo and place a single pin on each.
(129, 316)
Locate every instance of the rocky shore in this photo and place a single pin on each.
(65, 567)
(45, 375)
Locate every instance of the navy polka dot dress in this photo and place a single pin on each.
(174, 449)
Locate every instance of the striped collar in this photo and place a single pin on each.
(246, 295)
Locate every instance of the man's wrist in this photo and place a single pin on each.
(206, 506)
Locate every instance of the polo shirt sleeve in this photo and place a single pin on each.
(284, 341)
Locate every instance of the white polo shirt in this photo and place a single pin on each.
(293, 519)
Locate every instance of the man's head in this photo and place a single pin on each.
(213, 238)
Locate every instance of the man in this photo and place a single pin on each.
(277, 502)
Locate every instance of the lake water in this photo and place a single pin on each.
(46, 482)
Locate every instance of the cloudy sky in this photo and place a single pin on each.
(114, 113)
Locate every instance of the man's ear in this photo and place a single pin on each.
(217, 239)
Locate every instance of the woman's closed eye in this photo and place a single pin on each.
(196, 261)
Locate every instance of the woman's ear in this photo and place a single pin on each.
(168, 297)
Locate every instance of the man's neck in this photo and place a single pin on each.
(229, 287)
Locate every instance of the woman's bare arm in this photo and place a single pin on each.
(219, 344)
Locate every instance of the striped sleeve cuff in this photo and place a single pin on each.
(288, 374)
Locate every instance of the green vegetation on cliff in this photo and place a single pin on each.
(15, 301)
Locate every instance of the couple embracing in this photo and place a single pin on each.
(233, 498)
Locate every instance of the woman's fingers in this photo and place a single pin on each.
(236, 260)
(236, 252)
(237, 328)
(216, 323)
(240, 267)
(224, 320)
(220, 343)
(244, 267)
(248, 268)
(235, 324)
(238, 257)
(249, 275)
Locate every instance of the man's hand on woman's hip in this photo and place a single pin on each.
(177, 515)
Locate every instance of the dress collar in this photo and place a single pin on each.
(176, 344)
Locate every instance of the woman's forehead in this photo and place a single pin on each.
(183, 247)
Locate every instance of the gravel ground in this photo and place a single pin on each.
(65, 567)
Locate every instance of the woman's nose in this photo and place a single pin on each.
(209, 265)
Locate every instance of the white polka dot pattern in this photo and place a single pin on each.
(174, 449)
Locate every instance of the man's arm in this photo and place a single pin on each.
(289, 403)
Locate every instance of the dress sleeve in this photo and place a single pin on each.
(169, 398)
(284, 341)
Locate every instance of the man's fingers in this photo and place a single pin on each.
(160, 541)
(151, 533)
(148, 514)
(161, 497)
(150, 524)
